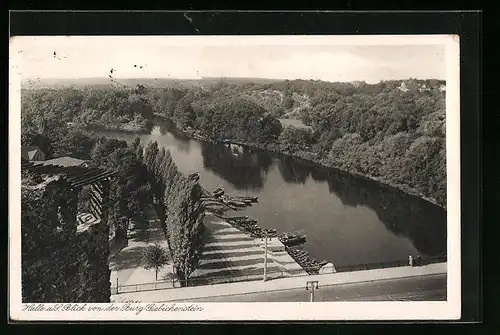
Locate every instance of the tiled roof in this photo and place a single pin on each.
(77, 176)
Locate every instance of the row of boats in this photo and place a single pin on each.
(249, 226)
(308, 263)
(219, 203)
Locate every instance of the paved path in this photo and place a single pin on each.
(196, 292)
(127, 265)
(426, 288)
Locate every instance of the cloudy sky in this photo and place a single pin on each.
(335, 59)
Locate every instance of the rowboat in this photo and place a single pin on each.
(291, 239)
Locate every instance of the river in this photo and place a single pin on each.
(348, 220)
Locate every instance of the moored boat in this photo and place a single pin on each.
(246, 198)
(218, 192)
(235, 203)
(291, 239)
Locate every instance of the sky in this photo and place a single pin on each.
(334, 59)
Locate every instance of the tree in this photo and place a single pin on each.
(150, 155)
(294, 139)
(185, 225)
(155, 257)
(271, 128)
(135, 143)
(288, 102)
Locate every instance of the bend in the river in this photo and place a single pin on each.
(347, 220)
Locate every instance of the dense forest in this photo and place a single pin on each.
(393, 131)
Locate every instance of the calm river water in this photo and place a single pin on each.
(347, 220)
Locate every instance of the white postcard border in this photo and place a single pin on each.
(450, 309)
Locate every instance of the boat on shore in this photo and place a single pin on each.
(235, 203)
(245, 198)
(218, 192)
(240, 218)
(308, 263)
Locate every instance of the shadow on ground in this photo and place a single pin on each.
(230, 263)
(127, 258)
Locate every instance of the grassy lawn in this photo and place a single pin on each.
(293, 122)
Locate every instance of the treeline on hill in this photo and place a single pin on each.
(104, 107)
(393, 131)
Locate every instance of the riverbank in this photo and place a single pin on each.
(308, 158)
(127, 128)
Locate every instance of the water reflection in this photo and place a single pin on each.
(293, 172)
(183, 142)
(244, 170)
(421, 222)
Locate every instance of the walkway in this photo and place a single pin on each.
(230, 255)
(426, 288)
(197, 292)
(126, 265)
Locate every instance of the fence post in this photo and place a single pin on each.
(117, 283)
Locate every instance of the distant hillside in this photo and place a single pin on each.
(241, 80)
(284, 99)
(152, 82)
(81, 82)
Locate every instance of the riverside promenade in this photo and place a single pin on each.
(230, 255)
(185, 294)
(127, 267)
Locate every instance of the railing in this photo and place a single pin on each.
(159, 285)
(234, 279)
(389, 264)
(176, 283)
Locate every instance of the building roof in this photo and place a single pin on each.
(77, 176)
(63, 161)
(28, 151)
